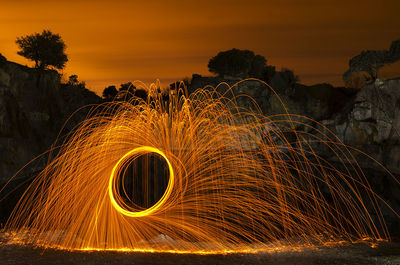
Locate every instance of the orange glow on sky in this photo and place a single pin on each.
(110, 42)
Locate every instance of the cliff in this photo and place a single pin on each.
(33, 108)
(366, 120)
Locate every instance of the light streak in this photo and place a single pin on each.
(237, 179)
(111, 190)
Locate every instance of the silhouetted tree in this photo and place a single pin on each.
(290, 78)
(141, 93)
(126, 90)
(268, 73)
(369, 62)
(73, 80)
(127, 87)
(239, 63)
(110, 92)
(258, 65)
(45, 49)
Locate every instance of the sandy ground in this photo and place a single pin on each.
(386, 253)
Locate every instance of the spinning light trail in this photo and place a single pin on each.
(114, 172)
(237, 181)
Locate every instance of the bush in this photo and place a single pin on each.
(237, 63)
(110, 92)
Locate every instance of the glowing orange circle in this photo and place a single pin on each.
(143, 149)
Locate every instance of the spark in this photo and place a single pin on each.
(237, 179)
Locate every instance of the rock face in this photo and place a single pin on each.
(33, 108)
(371, 122)
(318, 102)
(368, 120)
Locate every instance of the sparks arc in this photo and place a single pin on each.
(239, 181)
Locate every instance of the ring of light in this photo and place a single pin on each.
(143, 149)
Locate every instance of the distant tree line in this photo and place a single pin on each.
(125, 92)
(47, 50)
(231, 63)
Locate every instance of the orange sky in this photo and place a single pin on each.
(110, 42)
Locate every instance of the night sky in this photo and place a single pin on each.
(110, 42)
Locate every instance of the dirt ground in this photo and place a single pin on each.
(386, 253)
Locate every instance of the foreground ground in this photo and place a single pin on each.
(386, 253)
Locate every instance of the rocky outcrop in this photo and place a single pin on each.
(33, 107)
(371, 123)
(242, 90)
(367, 121)
(319, 102)
(374, 117)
